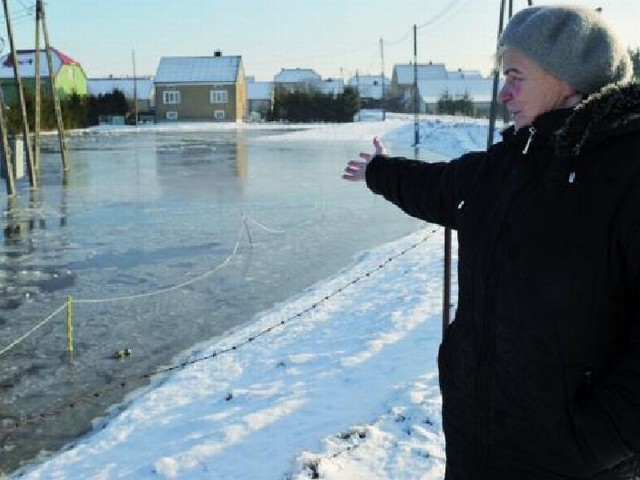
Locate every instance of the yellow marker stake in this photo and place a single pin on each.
(70, 327)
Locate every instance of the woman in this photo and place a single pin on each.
(540, 370)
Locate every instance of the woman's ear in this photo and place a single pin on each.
(571, 96)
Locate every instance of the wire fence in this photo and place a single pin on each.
(127, 381)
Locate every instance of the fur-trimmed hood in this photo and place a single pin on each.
(614, 110)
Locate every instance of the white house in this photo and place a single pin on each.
(434, 81)
(259, 99)
(296, 79)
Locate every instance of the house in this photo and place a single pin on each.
(434, 81)
(68, 75)
(371, 89)
(143, 87)
(330, 86)
(296, 79)
(201, 88)
(404, 77)
(478, 90)
(259, 99)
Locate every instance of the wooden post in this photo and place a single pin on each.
(36, 114)
(54, 92)
(6, 151)
(70, 327)
(23, 109)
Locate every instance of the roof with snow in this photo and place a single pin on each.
(222, 69)
(27, 61)
(480, 90)
(431, 71)
(330, 86)
(460, 74)
(259, 90)
(296, 75)
(103, 86)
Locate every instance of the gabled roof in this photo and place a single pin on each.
(431, 71)
(27, 61)
(223, 69)
(296, 75)
(103, 86)
(468, 74)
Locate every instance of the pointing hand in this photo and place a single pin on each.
(355, 169)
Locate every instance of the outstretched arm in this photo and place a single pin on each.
(355, 169)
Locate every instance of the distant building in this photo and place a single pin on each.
(434, 82)
(296, 79)
(478, 90)
(200, 88)
(330, 86)
(370, 89)
(143, 87)
(68, 75)
(259, 99)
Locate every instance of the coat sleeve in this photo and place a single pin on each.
(429, 191)
(609, 416)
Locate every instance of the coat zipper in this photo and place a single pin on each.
(532, 131)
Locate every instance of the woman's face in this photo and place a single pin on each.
(529, 90)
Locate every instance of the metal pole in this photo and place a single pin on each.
(384, 113)
(416, 127)
(446, 291)
(135, 89)
(496, 76)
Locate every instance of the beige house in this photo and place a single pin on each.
(200, 88)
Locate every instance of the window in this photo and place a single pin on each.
(218, 96)
(171, 97)
(219, 115)
(172, 115)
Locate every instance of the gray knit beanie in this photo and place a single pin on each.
(573, 43)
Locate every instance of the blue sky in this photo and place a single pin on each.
(334, 37)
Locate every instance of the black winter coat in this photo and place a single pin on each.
(540, 370)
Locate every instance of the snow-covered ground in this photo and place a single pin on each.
(338, 383)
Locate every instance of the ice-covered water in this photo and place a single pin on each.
(164, 239)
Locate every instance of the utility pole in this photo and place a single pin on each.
(358, 89)
(23, 109)
(54, 92)
(382, 103)
(416, 128)
(10, 180)
(496, 78)
(135, 88)
(37, 101)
